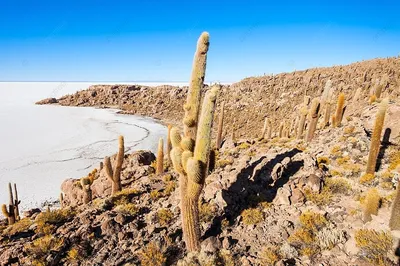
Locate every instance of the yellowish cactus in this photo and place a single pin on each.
(371, 204)
(196, 84)
(160, 157)
(115, 174)
(357, 95)
(192, 167)
(302, 121)
(220, 126)
(169, 144)
(313, 119)
(339, 109)
(376, 137)
(86, 183)
(394, 222)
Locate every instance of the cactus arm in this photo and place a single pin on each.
(16, 203)
(196, 83)
(376, 137)
(108, 168)
(4, 210)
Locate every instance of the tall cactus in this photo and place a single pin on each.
(115, 174)
(16, 203)
(160, 157)
(190, 160)
(86, 183)
(339, 110)
(394, 222)
(357, 95)
(10, 213)
(196, 84)
(371, 204)
(220, 126)
(376, 137)
(313, 119)
(169, 144)
(302, 121)
(265, 128)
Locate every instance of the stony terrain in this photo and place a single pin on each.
(278, 201)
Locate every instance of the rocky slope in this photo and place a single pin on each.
(280, 201)
(249, 101)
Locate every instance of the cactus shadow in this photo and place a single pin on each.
(384, 145)
(246, 192)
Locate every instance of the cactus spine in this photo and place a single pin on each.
(339, 109)
(394, 222)
(220, 126)
(313, 119)
(160, 157)
(115, 175)
(376, 137)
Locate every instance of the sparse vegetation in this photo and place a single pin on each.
(152, 255)
(252, 216)
(164, 216)
(374, 245)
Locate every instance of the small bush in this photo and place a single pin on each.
(19, 227)
(336, 150)
(270, 255)
(322, 162)
(73, 255)
(252, 216)
(206, 212)
(169, 188)
(164, 216)
(155, 194)
(152, 255)
(374, 245)
(224, 162)
(343, 160)
(349, 129)
(320, 199)
(337, 185)
(47, 221)
(394, 160)
(41, 247)
(312, 221)
(367, 179)
(127, 208)
(243, 146)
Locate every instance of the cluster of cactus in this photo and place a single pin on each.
(12, 213)
(114, 173)
(190, 152)
(86, 183)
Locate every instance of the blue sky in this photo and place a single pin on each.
(155, 41)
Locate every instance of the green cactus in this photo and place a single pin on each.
(191, 162)
(115, 174)
(339, 110)
(160, 157)
(394, 222)
(313, 119)
(220, 127)
(196, 84)
(376, 137)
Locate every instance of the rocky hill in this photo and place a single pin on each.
(278, 200)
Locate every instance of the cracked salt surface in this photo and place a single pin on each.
(40, 146)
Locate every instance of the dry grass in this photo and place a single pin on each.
(270, 255)
(164, 216)
(367, 179)
(19, 227)
(374, 245)
(152, 255)
(127, 208)
(47, 221)
(252, 216)
(41, 247)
